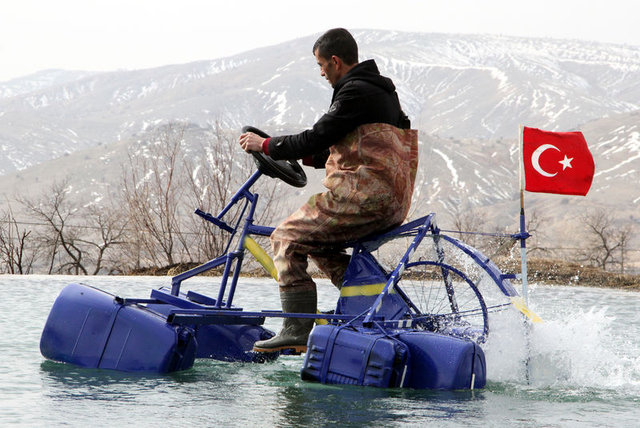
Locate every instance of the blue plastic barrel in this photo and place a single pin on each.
(88, 327)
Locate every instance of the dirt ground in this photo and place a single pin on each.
(565, 273)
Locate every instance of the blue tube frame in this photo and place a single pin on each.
(418, 228)
(242, 195)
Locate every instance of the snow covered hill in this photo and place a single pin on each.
(450, 85)
(466, 94)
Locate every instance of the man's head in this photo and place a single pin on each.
(336, 52)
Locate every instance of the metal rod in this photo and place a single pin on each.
(523, 258)
(225, 277)
(243, 192)
(397, 272)
(523, 232)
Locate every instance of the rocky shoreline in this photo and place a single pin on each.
(547, 271)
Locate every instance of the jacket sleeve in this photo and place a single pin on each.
(341, 119)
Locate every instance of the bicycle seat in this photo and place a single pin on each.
(377, 239)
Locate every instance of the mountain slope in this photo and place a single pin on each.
(466, 94)
(450, 85)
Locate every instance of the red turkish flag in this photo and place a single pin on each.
(556, 162)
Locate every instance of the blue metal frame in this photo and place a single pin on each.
(422, 230)
(220, 310)
(251, 200)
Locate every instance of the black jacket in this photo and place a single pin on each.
(361, 96)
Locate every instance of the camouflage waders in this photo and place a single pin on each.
(370, 176)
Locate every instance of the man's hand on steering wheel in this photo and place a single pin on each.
(251, 142)
(288, 171)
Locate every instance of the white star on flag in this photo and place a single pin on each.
(566, 162)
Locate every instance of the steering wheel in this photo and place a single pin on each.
(288, 171)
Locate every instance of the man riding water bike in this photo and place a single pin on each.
(371, 159)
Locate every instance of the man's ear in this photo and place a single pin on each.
(337, 61)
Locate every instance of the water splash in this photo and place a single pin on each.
(573, 348)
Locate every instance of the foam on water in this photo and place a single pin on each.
(573, 348)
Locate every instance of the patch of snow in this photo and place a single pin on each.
(148, 89)
(275, 76)
(454, 173)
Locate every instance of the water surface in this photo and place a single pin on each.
(579, 368)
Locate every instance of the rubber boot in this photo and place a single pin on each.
(295, 331)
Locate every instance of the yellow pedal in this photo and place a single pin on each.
(518, 302)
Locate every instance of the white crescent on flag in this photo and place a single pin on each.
(535, 159)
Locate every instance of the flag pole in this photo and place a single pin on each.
(523, 260)
(523, 233)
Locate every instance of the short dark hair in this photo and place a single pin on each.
(338, 42)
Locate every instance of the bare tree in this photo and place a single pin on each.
(152, 192)
(61, 241)
(108, 230)
(75, 237)
(216, 174)
(468, 220)
(624, 237)
(209, 187)
(604, 240)
(163, 182)
(17, 250)
(133, 256)
(173, 173)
